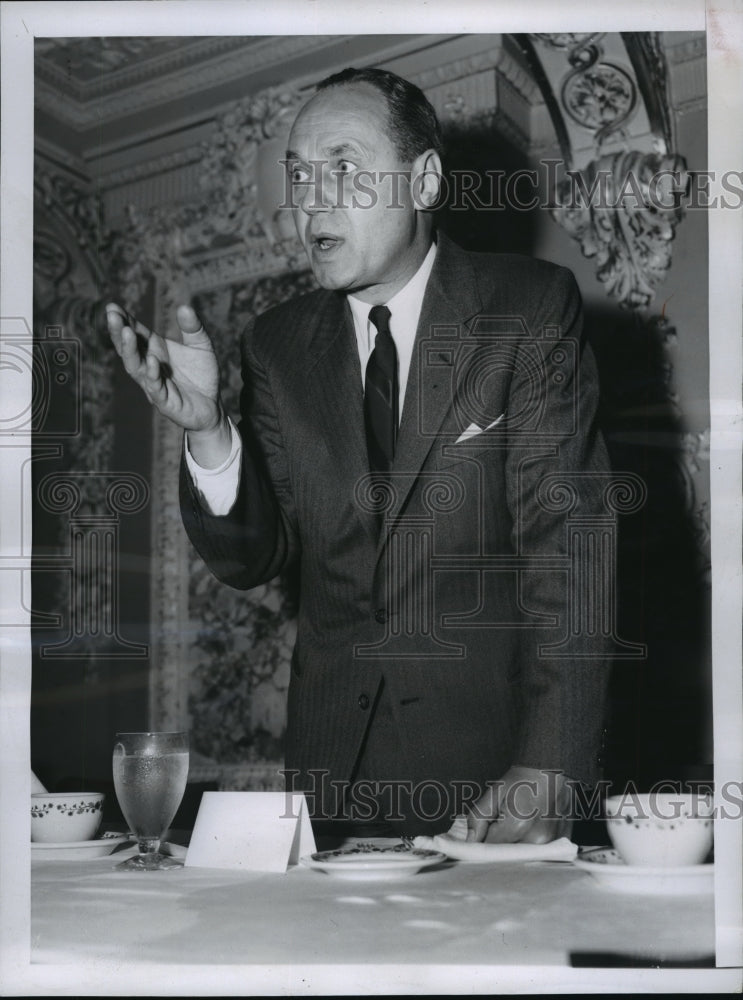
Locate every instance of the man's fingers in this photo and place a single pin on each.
(188, 321)
(480, 815)
(115, 324)
(119, 317)
(190, 325)
(477, 828)
(123, 330)
(505, 830)
(129, 352)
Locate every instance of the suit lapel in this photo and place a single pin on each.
(451, 300)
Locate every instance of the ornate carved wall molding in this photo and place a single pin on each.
(71, 261)
(497, 58)
(613, 119)
(197, 244)
(120, 87)
(220, 660)
(492, 83)
(619, 225)
(687, 74)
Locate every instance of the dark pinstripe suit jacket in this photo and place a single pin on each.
(498, 334)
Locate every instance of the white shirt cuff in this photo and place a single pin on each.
(218, 487)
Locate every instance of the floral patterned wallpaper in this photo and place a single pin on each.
(243, 640)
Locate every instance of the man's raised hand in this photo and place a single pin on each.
(180, 378)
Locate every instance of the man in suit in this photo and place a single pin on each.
(399, 427)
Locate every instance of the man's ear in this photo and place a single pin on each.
(426, 179)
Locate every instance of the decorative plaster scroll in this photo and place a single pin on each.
(627, 222)
(231, 164)
(619, 223)
(76, 208)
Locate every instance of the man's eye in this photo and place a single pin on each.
(345, 166)
(299, 175)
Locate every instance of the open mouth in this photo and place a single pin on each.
(325, 243)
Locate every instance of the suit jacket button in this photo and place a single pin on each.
(380, 615)
(364, 701)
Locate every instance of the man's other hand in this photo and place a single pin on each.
(526, 805)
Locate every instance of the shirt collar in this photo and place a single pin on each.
(407, 301)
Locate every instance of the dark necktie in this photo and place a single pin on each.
(381, 394)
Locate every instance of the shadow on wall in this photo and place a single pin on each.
(660, 724)
(482, 151)
(660, 716)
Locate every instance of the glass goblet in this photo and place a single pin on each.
(150, 771)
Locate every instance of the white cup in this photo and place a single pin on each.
(660, 829)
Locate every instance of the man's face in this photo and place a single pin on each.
(352, 201)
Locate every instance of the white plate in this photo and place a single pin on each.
(78, 850)
(366, 861)
(608, 869)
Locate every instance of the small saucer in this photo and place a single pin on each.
(80, 850)
(367, 861)
(610, 872)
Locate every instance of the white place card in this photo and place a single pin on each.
(251, 831)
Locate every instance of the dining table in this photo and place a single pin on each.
(473, 926)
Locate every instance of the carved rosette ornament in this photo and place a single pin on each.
(625, 219)
(600, 97)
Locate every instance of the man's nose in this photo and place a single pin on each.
(318, 193)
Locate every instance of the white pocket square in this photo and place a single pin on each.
(473, 430)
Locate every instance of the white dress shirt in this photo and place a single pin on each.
(218, 487)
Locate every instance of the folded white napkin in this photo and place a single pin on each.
(454, 845)
(36, 785)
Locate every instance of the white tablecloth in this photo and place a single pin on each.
(484, 915)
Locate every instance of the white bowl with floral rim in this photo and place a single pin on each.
(65, 817)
